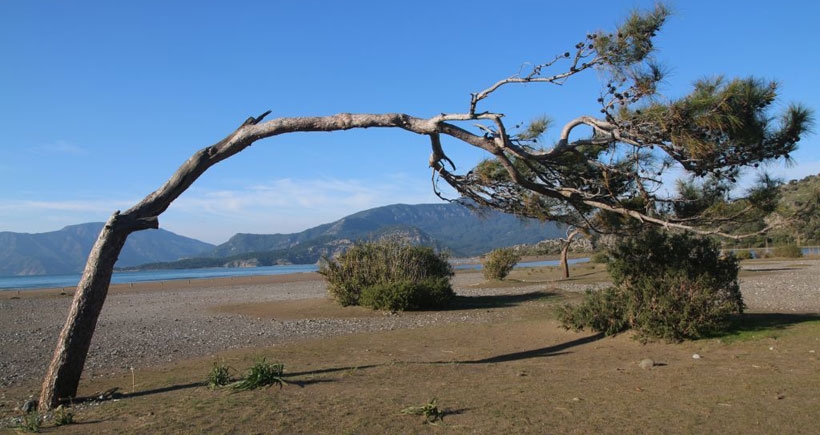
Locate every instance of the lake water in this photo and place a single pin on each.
(70, 281)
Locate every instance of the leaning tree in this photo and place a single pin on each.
(603, 167)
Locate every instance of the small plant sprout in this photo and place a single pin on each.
(429, 410)
(62, 416)
(30, 421)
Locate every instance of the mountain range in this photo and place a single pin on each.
(65, 251)
(450, 226)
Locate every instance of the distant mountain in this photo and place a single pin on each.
(66, 251)
(452, 227)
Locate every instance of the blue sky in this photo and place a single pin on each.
(101, 101)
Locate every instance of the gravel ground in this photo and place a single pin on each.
(147, 328)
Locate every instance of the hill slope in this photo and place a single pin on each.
(65, 251)
(452, 227)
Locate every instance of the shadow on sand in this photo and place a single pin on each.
(495, 301)
(758, 322)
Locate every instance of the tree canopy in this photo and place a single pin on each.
(612, 166)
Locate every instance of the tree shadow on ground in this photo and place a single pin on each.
(758, 322)
(495, 301)
(558, 349)
(115, 394)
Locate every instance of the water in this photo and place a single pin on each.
(524, 264)
(811, 250)
(57, 281)
(70, 281)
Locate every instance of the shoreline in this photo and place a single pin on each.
(262, 278)
(170, 284)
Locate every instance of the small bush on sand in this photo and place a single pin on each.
(390, 274)
(599, 257)
(788, 251)
(408, 295)
(667, 286)
(498, 263)
(219, 376)
(30, 422)
(429, 410)
(600, 310)
(63, 416)
(743, 255)
(261, 374)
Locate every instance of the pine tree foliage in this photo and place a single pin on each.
(614, 175)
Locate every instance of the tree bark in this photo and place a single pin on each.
(63, 375)
(565, 251)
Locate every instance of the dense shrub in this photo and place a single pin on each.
(408, 295)
(600, 310)
(743, 255)
(599, 257)
(498, 263)
(787, 251)
(671, 287)
(389, 274)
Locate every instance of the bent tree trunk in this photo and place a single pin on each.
(565, 251)
(63, 375)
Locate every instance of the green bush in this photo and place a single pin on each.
(498, 263)
(743, 255)
(408, 295)
(390, 274)
(671, 287)
(600, 310)
(787, 251)
(600, 257)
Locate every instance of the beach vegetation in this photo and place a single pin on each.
(219, 375)
(261, 374)
(63, 416)
(30, 422)
(666, 286)
(429, 410)
(787, 251)
(498, 263)
(390, 274)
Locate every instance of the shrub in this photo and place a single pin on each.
(600, 310)
(408, 295)
(743, 255)
(672, 287)
(498, 263)
(600, 257)
(787, 251)
(390, 274)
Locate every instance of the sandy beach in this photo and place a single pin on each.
(149, 324)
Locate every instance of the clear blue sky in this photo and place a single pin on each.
(100, 101)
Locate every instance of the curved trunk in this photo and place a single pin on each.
(63, 375)
(565, 251)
